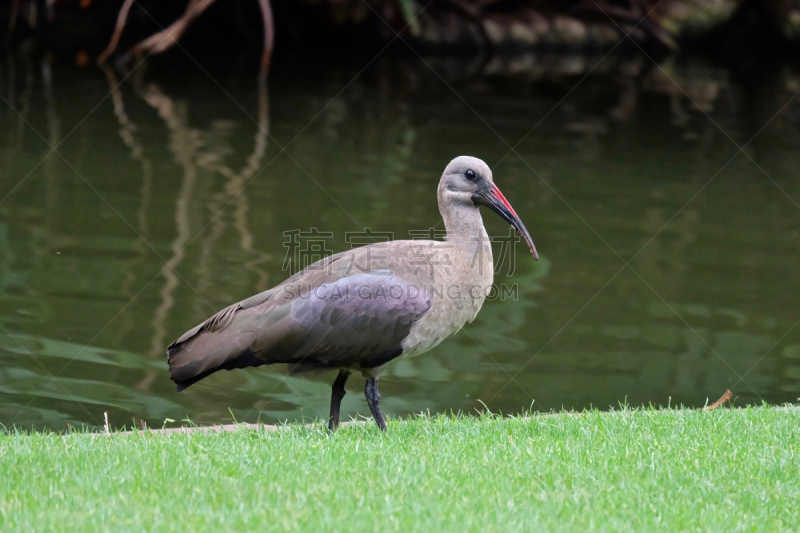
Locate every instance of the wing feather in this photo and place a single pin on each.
(332, 314)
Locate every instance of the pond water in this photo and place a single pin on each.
(668, 268)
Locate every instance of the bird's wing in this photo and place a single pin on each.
(351, 310)
(223, 318)
(355, 321)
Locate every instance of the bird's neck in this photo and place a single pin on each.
(471, 244)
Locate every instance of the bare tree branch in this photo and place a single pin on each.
(112, 44)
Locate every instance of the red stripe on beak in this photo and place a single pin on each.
(491, 197)
(499, 195)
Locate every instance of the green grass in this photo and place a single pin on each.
(635, 470)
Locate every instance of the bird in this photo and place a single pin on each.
(357, 311)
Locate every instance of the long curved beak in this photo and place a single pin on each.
(491, 197)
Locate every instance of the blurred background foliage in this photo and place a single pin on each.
(82, 28)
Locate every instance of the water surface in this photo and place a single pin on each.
(668, 268)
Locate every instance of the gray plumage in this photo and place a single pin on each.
(331, 315)
(358, 310)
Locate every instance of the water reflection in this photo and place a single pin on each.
(194, 192)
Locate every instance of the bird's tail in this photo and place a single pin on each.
(204, 354)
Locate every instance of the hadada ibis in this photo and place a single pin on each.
(358, 310)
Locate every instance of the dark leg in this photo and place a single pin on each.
(372, 394)
(337, 393)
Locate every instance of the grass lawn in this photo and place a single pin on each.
(634, 470)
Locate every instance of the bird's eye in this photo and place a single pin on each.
(470, 174)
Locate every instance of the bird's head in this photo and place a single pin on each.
(468, 181)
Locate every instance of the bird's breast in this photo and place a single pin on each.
(462, 276)
(454, 302)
